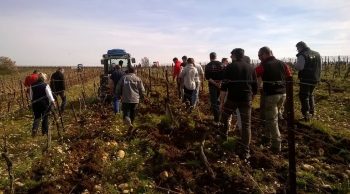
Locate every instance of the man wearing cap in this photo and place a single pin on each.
(309, 66)
(214, 74)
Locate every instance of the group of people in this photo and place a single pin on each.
(188, 77)
(43, 96)
(232, 88)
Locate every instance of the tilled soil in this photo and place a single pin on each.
(81, 166)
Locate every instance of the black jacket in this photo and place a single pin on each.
(239, 81)
(40, 102)
(312, 67)
(57, 82)
(274, 76)
(214, 70)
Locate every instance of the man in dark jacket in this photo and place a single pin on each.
(58, 86)
(273, 73)
(309, 67)
(238, 87)
(115, 77)
(214, 74)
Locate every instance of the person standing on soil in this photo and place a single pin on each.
(183, 65)
(273, 73)
(117, 74)
(309, 67)
(131, 90)
(200, 79)
(176, 73)
(57, 83)
(225, 63)
(238, 88)
(42, 101)
(214, 74)
(190, 78)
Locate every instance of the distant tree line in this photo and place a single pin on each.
(7, 65)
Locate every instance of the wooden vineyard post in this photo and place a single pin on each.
(150, 80)
(80, 105)
(167, 85)
(74, 113)
(83, 92)
(48, 143)
(291, 136)
(1, 100)
(27, 98)
(9, 164)
(95, 93)
(22, 97)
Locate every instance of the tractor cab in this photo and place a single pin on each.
(109, 60)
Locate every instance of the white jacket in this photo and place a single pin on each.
(189, 77)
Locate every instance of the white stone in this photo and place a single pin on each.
(98, 187)
(123, 186)
(308, 167)
(164, 175)
(121, 154)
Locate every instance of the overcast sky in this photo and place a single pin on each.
(68, 32)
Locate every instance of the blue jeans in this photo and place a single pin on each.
(214, 93)
(188, 96)
(195, 97)
(116, 105)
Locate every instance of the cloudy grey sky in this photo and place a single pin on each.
(68, 32)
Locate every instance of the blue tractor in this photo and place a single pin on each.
(108, 61)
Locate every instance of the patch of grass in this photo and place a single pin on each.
(343, 187)
(320, 126)
(306, 180)
(233, 170)
(109, 188)
(259, 175)
(230, 143)
(347, 107)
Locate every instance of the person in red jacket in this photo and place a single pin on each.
(31, 79)
(176, 73)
